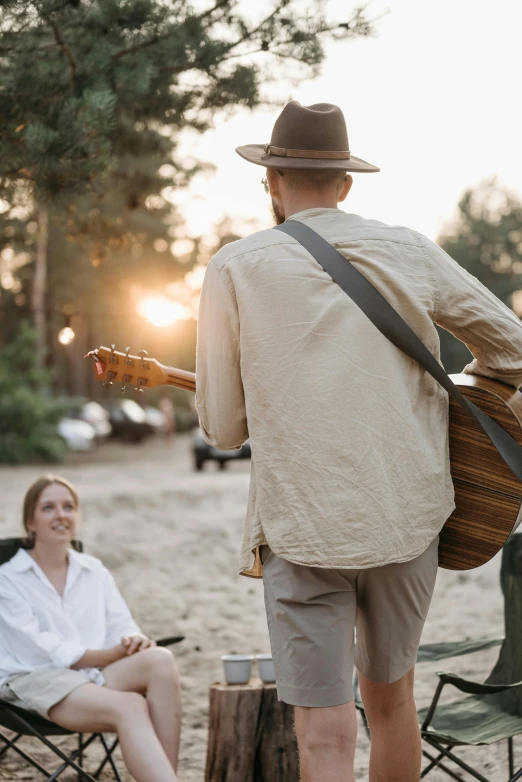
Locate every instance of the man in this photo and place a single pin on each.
(350, 480)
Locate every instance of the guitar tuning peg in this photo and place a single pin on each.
(143, 355)
(125, 379)
(110, 378)
(127, 360)
(112, 357)
(141, 382)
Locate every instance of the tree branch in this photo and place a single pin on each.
(246, 54)
(306, 37)
(64, 47)
(163, 37)
(279, 7)
(143, 44)
(210, 11)
(36, 49)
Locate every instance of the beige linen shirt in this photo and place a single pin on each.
(350, 463)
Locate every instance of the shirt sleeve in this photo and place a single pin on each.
(21, 633)
(466, 308)
(119, 621)
(220, 399)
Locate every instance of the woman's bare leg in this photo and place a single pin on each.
(93, 709)
(154, 673)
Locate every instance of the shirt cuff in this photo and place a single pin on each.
(67, 654)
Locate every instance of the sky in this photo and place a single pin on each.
(434, 100)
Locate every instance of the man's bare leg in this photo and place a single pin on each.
(326, 738)
(93, 709)
(154, 673)
(395, 737)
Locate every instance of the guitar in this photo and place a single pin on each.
(487, 494)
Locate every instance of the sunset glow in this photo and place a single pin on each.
(161, 311)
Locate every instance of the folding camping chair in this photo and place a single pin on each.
(492, 711)
(24, 723)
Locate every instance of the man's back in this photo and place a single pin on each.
(349, 436)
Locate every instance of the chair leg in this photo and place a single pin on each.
(77, 752)
(108, 758)
(80, 753)
(517, 776)
(511, 758)
(32, 762)
(68, 761)
(436, 763)
(455, 759)
(8, 743)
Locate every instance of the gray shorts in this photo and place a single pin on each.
(39, 691)
(312, 614)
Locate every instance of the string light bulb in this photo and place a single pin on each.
(66, 335)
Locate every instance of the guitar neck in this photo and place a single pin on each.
(179, 378)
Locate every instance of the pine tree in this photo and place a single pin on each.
(486, 239)
(93, 97)
(88, 88)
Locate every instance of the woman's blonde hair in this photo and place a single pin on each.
(33, 495)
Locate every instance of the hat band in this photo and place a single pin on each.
(326, 154)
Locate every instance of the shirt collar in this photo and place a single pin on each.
(80, 559)
(315, 211)
(23, 561)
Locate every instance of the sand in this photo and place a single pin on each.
(171, 538)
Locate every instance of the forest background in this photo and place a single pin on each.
(95, 97)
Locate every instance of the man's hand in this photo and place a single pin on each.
(136, 643)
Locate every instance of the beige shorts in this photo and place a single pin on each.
(39, 691)
(312, 614)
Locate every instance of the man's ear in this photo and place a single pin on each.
(273, 181)
(348, 182)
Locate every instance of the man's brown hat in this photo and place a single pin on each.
(307, 137)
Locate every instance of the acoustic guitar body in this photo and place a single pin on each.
(487, 494)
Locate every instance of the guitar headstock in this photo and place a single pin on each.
(112, 366)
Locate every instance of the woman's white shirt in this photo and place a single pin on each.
(39, 629)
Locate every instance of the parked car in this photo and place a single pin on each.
(156, 418)
(96, 415)
(79, 435)
(129, 421)
(203, 452)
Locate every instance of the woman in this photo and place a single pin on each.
(70, 649)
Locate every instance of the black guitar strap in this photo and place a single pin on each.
(390, 323)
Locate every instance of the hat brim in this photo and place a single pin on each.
(255, 153)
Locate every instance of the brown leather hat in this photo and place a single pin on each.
(307, 137)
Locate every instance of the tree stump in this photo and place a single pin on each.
(251, 735)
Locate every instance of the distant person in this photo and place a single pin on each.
(351, 480)
(166, 405)
(70, 649)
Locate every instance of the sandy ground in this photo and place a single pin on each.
(171, 538)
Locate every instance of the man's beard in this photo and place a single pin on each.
(278, 215)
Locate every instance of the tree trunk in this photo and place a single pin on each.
(39, 288)
(251, 736)
(276, 756)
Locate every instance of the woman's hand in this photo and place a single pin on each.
(136, 643)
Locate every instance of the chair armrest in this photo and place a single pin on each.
(175, 639)
(464, 685)
(441, 651)
(474, 688)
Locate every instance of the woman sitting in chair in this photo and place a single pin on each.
(70, 649)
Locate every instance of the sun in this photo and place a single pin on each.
(161, 311)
